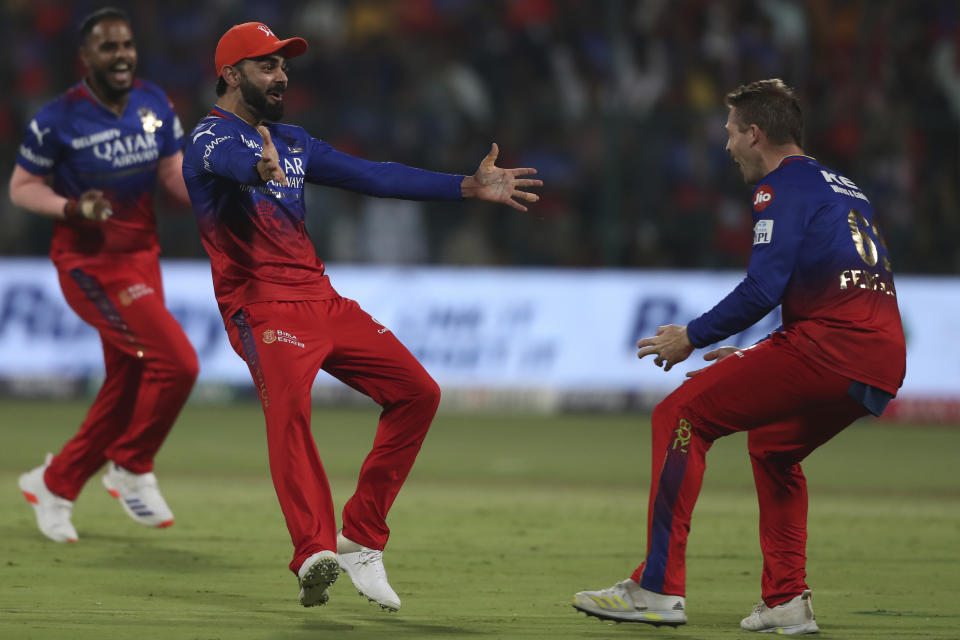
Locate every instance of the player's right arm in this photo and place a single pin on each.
(772, 261)
(31, 192)
(29, 184)
(215, 147)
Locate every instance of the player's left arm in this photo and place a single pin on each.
(393, 180)
(170, 166)
(170, 176)
(495, 184)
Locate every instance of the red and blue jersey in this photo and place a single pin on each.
(819, 253)
(85, 145)
(255, 232)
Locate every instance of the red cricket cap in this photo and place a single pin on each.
(252, 40)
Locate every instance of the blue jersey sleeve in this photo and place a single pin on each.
(330, 167)
(222, 152)
(778, 235)
(41, 148)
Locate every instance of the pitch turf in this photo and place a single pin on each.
(503, 519)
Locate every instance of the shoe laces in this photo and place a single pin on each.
(370, 556)
(135, 481)
(759, 607)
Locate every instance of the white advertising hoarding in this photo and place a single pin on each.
(558, 330)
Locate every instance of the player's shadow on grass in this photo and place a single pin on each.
(156, 556)
(392, 625)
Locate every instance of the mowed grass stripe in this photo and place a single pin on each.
(502, 520)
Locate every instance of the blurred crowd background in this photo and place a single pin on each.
(618, 103)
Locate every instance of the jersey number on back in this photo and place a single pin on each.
(860, 231)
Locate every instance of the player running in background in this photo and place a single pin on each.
(245, 174)
(91, 160)
(839, 355)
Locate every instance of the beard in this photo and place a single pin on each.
(258, 102)
(113, 93)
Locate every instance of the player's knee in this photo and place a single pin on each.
(423, 393)
(675, 416)
(428, 393)
(667, 412)
(181, 366)
(189, 368)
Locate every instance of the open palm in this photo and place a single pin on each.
(495, 184)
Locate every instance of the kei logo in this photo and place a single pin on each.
(762, 198)
(683, 433)
(269, 336)
(267, 212)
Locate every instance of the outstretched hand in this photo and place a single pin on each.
(268, 166)
(493, 184)
(671, 345)
(717, 354)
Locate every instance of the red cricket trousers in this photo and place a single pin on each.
(790, 406)
(150, 369)
(285, 344)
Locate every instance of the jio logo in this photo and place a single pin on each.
(762, 198)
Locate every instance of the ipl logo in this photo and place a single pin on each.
(683, 435)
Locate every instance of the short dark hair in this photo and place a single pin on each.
(222, 84)
(772, 106)
(98, 16)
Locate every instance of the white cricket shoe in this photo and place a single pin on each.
(365, 567)
(139, 496)
(790, 618)
(53, 512)
(627, 601)
(316, 574)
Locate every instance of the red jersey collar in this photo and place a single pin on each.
(788, 159)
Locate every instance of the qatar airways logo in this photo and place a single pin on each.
(95, 138)
(128, 150)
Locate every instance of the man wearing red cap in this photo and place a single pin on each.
(245, 175)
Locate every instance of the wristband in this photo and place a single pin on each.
(70, 210)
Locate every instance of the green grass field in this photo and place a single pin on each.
(502, 520)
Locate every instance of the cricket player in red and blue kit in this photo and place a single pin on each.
(818, 252)
(245, 174)
(91, 160)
